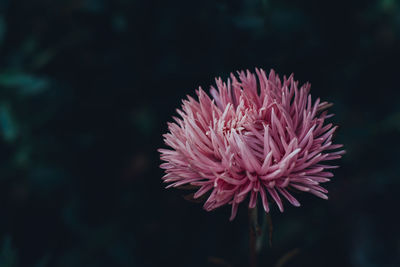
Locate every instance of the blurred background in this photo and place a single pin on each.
(86, 89)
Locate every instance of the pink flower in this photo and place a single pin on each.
(257, 136)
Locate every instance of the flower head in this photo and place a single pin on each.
(256, 136)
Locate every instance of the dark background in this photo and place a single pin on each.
(86, 89)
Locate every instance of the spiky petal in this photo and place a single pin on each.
(256, 136)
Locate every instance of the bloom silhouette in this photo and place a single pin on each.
(256, 136)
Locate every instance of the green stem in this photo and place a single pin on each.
(254, 230)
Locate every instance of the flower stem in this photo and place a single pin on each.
(254, 231)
